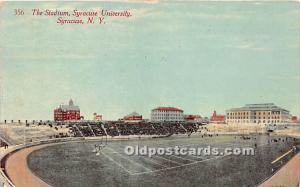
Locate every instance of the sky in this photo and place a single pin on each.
(198, 56)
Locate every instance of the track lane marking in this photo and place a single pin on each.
(280, 157)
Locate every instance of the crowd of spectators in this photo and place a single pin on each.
(117, 128)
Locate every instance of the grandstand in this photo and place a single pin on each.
(116, 128)
(18, 133)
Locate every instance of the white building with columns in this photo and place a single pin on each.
(266, 114)
(167, 114)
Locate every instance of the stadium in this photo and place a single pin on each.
(90, 153)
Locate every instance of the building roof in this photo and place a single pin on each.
(167, 109)
(217, 117)
(192, 117)
(258, 107)
(133, 114)
(68, 107)
(71, 106)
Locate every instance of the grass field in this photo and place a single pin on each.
(75, 164)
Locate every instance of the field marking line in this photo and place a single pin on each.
(177, 156)
(120, 165)
(154, 162)
(129, 159)
(215, 144)
(262, 144)
(196, 156)
(175, 167)
(115, 152)
(183, 158)
(237, 144)
(180, 164)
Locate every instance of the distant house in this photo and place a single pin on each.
(97, 117)
(133, 117)
(192, 118)
(215, 118)
(67, 112)
(294, 119)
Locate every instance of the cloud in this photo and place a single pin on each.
(141, 1)
(277, 77)
(201, 15)
(257, 3)
(248, 46)
(293, 46)
(140, 12)
(177, 12)
(297, 77)
(41, 57)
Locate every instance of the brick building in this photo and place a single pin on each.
(216, 118)
(294, 119)
(192, 118)
(67, 112)
(133, 117)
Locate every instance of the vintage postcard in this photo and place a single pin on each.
(149, 93)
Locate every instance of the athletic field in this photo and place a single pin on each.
(75, 164)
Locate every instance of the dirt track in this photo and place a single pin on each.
(288, 175)
(17, 169)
